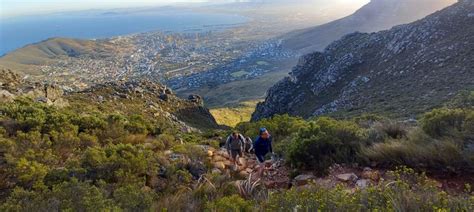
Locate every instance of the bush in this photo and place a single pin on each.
(464, 99)
(30, 172)
(67, 196)
(323, 143)
(134, 198)
(448, 122)
(392, 129)
(230, 203)
(419, 150)
(27, 115)
(279, 126)
(408, 191)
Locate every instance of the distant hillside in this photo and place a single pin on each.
(375, 16)
(404, 71)
(28, 58)
(151, 100)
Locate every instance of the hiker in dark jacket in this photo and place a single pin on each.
(262, 146)
(235, 145)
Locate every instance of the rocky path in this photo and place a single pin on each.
(275, 175)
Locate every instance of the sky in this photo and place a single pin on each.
(10, 8)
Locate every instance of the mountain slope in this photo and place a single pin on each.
(375, 16)
(402, 71)
(152, 100)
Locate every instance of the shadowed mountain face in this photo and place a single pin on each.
(375, 16)
(403, 71)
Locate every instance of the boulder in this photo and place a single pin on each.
(218, 158)
(249, 170)
(242, 168)
(349, 177)
(6, 96)
(303, 179)
(60, 103)
(168, 91)
(196, 169)
(219, 165)
(210, 153)
(164, 97)
(251, 162)
(196, 99)
(243, 174)
(243, 162)
(274, 184)
(225, 155)
(44, 100)
(268, 163)
(373, 175)
(228, 164)
(362, 183)
(216, 171)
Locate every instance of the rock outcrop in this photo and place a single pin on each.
(188, 114)
(403, 71)
(13, 86)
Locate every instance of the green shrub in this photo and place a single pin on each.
(419, 150)
(80, 196)
(279, 126)
(392, 129)
(90, 123)
(119, 163)
(367, 120)
(230, 204)
(27, 115)
(323, 143)
(30, 172)
(448, 122)
(464, 99)
(67, 196)
(134, 198)
(137, 125)
(408, 191)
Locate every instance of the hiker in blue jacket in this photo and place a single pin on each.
(262, 146)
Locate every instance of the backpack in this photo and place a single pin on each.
(236, 143)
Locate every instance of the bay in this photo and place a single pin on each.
(20, 31)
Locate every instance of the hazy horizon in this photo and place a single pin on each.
(13, 8)
(18, 8)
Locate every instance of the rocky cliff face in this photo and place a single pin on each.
(402, 71)
(375, 16)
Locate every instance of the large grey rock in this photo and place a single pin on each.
(362, 183)
(349, 177)
(303, 179)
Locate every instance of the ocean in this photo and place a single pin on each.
(19, 31)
